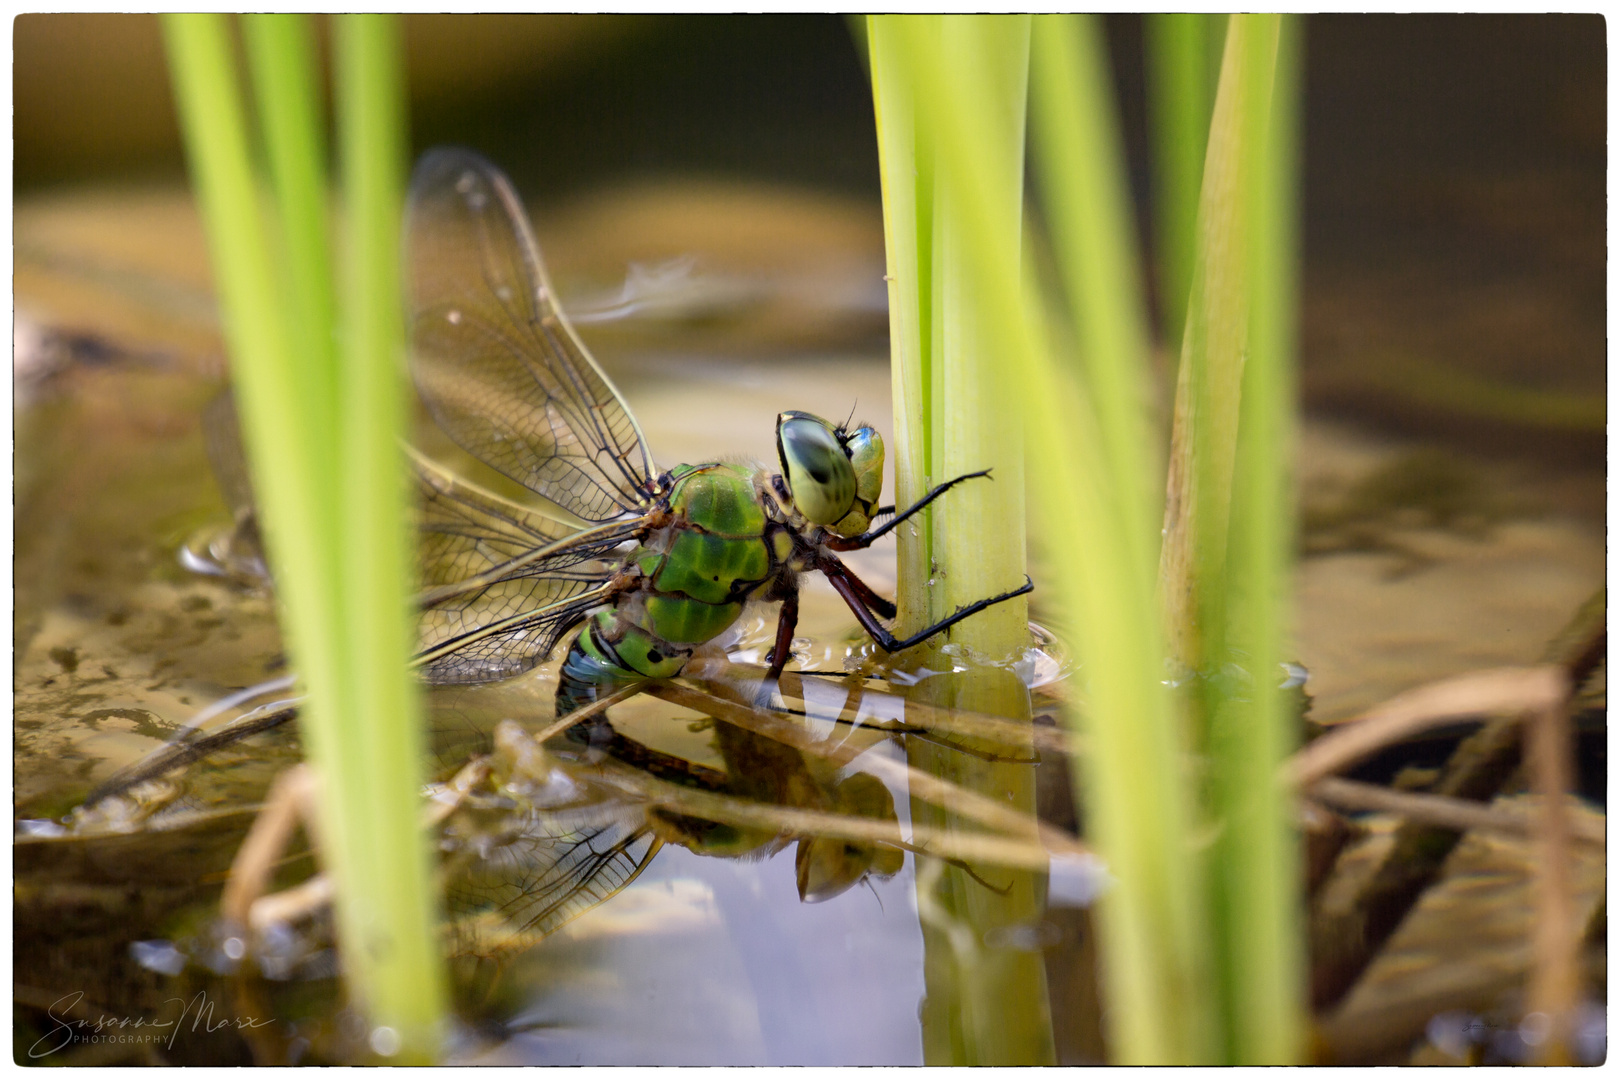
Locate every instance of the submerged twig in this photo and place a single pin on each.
(1508, 699)
(923, 785)
(1442, 810)
(912, 716)
(1022, 852)
(1477, 694)
(289, 803)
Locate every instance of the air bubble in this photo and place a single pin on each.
(453, 317)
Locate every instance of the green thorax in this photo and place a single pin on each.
(700, 570)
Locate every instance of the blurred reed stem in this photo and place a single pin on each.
(1088, 430)
(332, 501)
(1257, 861)
(1183, 53)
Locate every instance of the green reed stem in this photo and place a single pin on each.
(1183, 65)
(320, 490)
(979, 545)
(1209, 381)
(1080, 155)
(395, 913)
(984, 1005)
(1257, 861)
(1086, 427)
(1224, 565)
(281, 60)
(951, 409)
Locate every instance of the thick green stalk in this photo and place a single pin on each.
(1258, 857)
(280, 444)
(265, 366)
(979, 534)
(907, 173)
(983, 1005)
(390, 920)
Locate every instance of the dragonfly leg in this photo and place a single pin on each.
(846, 584)
(865, 539)
(882, 605)
(787, 621)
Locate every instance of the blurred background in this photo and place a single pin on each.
(1454, 171)
(706, 190)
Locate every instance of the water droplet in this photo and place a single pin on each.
(159, 956)
(1025, 937)
(384, 1041)
(1591, 1033)
(1534, 1028)
(1076, 880)
(39, 827)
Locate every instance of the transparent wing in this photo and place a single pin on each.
(497, 362)
(501, 583)
(546, 876)
(222, 438)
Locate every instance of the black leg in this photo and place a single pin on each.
(842, 580)
(854, 543)
(882, 605)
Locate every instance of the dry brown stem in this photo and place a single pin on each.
(1555, 953)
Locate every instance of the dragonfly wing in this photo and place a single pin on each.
(502, 583)
(544, 877)
(495, 358)
(222, 437)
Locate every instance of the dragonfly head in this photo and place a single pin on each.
(834, 476)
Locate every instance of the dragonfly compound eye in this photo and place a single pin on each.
(819, 474)
(865, 448)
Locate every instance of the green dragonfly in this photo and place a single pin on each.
(647, 564)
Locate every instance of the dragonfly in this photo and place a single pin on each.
(644, 566)
(647, 565)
